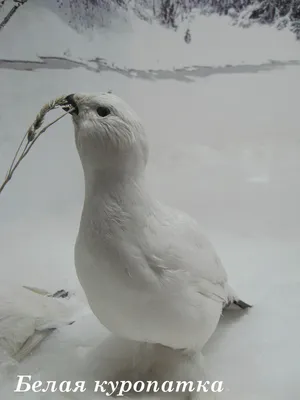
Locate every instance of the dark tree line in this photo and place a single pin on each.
(87, 13)
(262, 11)
(171, 12)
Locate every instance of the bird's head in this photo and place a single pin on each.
(109, 135)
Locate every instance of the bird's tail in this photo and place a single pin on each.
(234, 299)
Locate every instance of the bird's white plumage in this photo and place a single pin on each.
(148, 272)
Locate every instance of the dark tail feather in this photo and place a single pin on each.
(242, 304)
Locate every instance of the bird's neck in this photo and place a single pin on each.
(100, 183)
(111, 193)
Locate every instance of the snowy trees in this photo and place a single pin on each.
(268, 11)
(87, 13)
(167, 13)
(281, 12)
(263, 11)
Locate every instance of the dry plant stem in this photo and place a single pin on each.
(11, 12)
(39, 119)
(28, 146)
(59, 101)
(17, 152)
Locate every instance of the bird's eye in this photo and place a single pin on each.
(103, 111)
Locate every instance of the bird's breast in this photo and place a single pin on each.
(105, 283)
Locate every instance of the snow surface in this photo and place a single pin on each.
(224, 148)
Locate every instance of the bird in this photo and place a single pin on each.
(150, 276)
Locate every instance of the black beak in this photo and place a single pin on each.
(72, 104)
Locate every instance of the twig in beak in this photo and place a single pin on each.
(32, 135)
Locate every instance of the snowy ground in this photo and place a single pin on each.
(224, 147)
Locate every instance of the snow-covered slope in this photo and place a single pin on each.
(224, 148)
(133, 43)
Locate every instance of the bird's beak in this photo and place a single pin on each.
(71, 104)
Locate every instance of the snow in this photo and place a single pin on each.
(215, 41)
(23, 312)
(231, 140)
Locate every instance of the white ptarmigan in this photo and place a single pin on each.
(148, 273)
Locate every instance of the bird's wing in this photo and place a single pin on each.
(178, 249)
